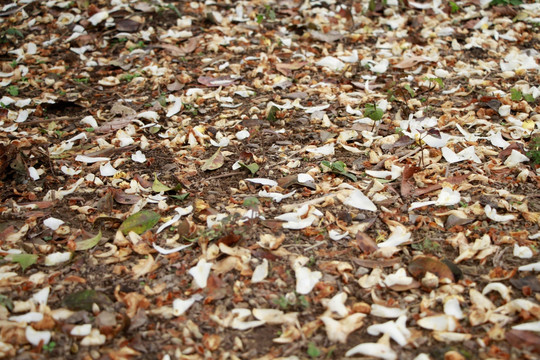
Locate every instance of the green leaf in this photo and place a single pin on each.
(410, 90)
(180, 197)
(139, 222)
(528, 98)
(272, 114)
(25, 260)
(313, 351)
(6, 302)
(373, 112)
(158, 186)
(84, 299)
(214, 162)
(250, 202)
(339, 166)
(515, 95)
(88, 243)
(253, 168)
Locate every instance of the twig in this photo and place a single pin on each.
(224, 175)
(412, 152)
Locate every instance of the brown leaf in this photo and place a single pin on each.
(406, 187)
(508, 151)
(366, 243)
(287, 68)
(524, 340)
(376, 263)
(410, 62)
(123, 198)
(127, 25)
(216, 82)
(422, 264)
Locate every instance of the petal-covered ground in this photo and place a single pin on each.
(270, 179)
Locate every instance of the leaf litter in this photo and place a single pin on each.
(374, 190)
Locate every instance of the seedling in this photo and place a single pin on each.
(13, 90)
(338, 167)
(420, 142)
(506, 2)
(534, 152)
(129, 77)
(517, 95)
(49, 347)
(313, 351)
(374, 113)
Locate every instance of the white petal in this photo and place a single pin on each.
(35, 337)
(181, 306)
(277, 197)
(398, 278)
(243, 134)
(331, 63)
(386, 311)
(306, 279)
(94, 339)
(69, 171)
(107, 169)
(90, 121)
(360, 201)
(448, 197)
(260, 272)
(200, 273)
(175, 108)
(515, 159)
(33, 173)
(42, 296)
(336, 235)
(170, 251)
(530, 326)
(27, 318)
(98, 17)
(395, 329)
(89, 159)
(523, 252)
(304, 178)
(492, 214)
(81, 330)
(53, 223)
(439, 322)
(337, 304)
(399, 236)
(497, 140)
(530, 267)
(452, 308)
(263, 181)
(57, 258)
(149, 115)
(380, 351)
(138, 157)
(324, 150)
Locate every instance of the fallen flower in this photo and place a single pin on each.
(53, 223)
(57, 258)
(181, 306)
(441, 322)
(107, 169)
(380, 351)
(397, 330)
(338, 331)
(200, 273)
(515, 159)
(360, 201)
(164, 251)
(277, 197)
(306, 279)
(263, 181)
(492, 215)
(336, 235)
(530, 267)
(36, 337)
(138, 157)
(260, 272)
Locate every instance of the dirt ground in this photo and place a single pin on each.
(269, 180)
